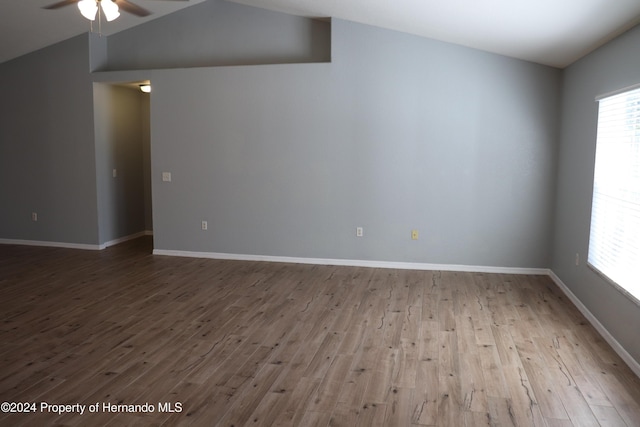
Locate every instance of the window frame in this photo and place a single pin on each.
(601, 274)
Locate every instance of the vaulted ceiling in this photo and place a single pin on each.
(550, 32)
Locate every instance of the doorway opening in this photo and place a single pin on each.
(123, 161)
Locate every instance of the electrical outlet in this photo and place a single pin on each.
(115, 173)
(204, 225)
(34, 216)
(414, 234)
(166, 176)
(359, 232)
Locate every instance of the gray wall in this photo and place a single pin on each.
(119, 137)
(398, 132)
(48, 159)
(216, 33)
(47, 153)
(614, 66)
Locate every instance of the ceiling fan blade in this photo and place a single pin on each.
(131, 8)
(60, 4)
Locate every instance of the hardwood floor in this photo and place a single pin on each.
(248, 343)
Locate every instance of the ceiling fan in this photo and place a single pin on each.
(110, 8)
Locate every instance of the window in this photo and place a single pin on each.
(614, 240)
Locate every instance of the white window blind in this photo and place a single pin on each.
(614, 241)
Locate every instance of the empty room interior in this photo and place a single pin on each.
(350, 213)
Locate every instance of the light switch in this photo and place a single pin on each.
(166, 176)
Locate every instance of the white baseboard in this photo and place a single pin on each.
(354, 263)
(125, 238)
(50, 244)
(617, 347)
(83, 246)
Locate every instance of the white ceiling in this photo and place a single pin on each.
(551, 32)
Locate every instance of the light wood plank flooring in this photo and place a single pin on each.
(249, 343)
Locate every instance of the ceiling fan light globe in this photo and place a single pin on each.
(88, 9)
(110, 9)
